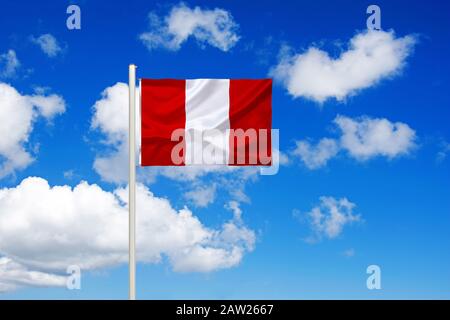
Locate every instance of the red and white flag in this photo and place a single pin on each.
(206, 121)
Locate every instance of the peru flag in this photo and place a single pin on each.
(206, 121)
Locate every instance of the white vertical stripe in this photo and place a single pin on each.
(207, 121)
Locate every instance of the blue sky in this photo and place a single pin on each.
(399, 186)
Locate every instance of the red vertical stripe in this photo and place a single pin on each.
(251, 108)
(162, 112)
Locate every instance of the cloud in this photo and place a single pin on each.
(69, 174)
(235, 208)
(362, 138)
(48, 44)
(87, 226)
(315, 157)
(18, 114)
(8, 64)
(328, 219)
(349, 253)
(201, 196)
(14, 275)
(443, 153)
(48, 106)
(205, 259)
(213, 27)
(371, 56)
(111, 118)
(111, 112)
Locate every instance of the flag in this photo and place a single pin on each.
(205, 121)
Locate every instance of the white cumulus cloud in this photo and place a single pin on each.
(364, 138)
(49, 228)
(18, 114)
(371, 56)
(361, 138)
(111, 118)
(8, 64)
(111, 112)
(214, 27)
(48, 44)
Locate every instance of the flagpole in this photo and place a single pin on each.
(132, 181)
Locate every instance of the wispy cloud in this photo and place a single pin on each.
(349, 253)
(201, 196)
(235, 207)
(443, 153)
(329, 217)
(48, 44)
(316, 156)
(8, 64)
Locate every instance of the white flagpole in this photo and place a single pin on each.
(132, 181)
